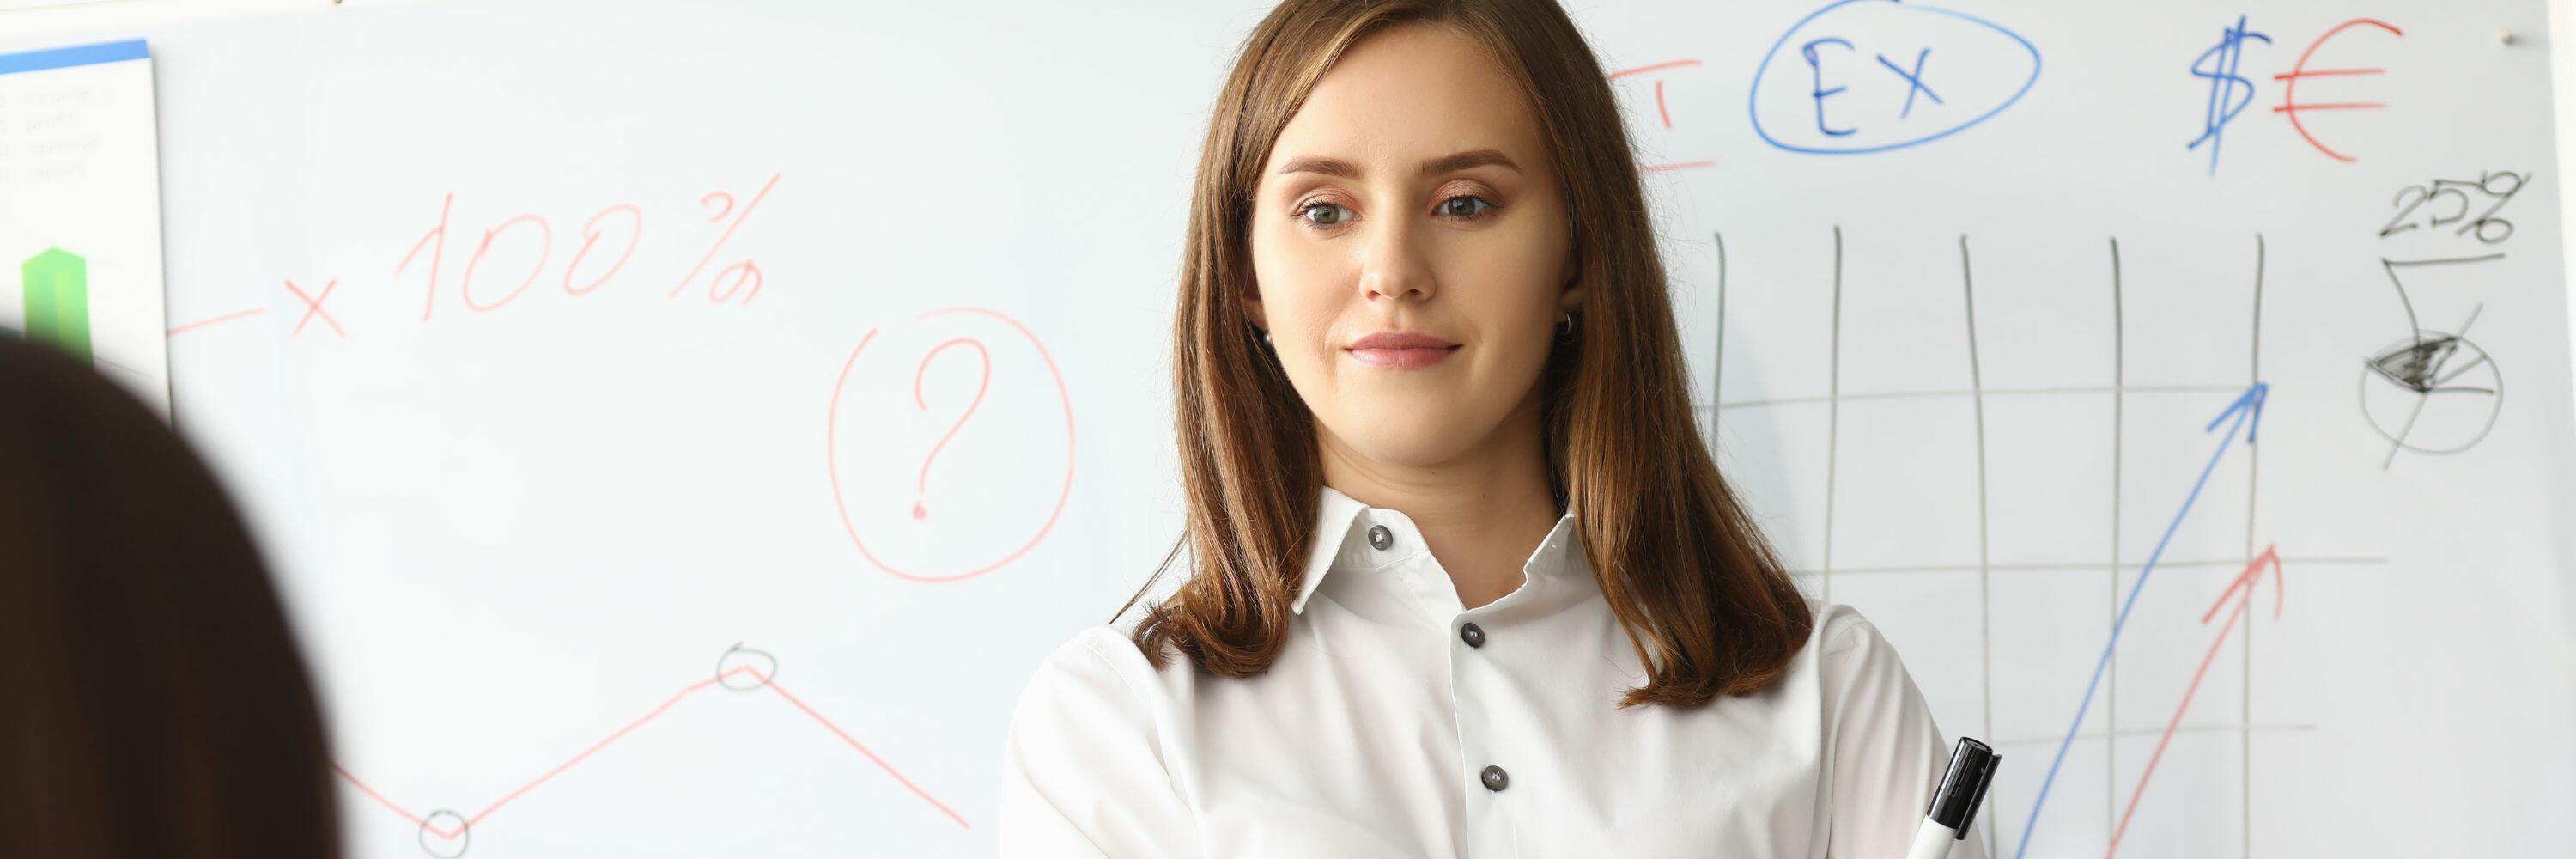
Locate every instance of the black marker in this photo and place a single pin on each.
(1954, 803)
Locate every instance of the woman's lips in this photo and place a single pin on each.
(1402, 359)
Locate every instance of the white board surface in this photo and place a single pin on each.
(747, 548)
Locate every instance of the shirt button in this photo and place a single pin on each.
(1473, 634)
(1380, 537)
(1496, 779)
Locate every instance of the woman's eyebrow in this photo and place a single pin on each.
(1444, 164)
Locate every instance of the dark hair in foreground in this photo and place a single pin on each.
(1699, 592)
(155, 702)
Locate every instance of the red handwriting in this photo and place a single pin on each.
(461, 825)
(491, 280)
(590, 239)
(313, 308)
(436, 241)
(2290, 104)
(545, 248)
(832, 447)
(1663, 108)
(983, 382)
(744, 271)
(742, 278)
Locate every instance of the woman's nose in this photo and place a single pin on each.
(1393, 264)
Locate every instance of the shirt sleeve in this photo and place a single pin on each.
(1083, 772)
(1886, 755)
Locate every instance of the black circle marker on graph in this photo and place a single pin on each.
(454, 845)
(762, 667)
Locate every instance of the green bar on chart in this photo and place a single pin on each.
(57, 298)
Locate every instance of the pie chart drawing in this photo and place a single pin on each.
(2434, 393)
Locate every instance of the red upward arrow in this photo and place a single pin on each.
(2245, 580)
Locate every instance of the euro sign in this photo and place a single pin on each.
(2226, 99)
(2290, 103)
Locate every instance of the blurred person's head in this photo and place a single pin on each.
(156, 704)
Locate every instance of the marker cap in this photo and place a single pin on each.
(1963, 786)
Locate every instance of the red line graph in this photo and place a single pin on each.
(2246, 580)
(466, 824)
(192, 326)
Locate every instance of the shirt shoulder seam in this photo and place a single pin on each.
(1086, 639)
(1842, 629)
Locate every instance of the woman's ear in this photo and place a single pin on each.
(1573, 275)
(1570, 298)
(1251, 301)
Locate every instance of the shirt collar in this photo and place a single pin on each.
(1341, 540)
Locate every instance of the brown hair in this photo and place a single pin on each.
(1707, 606)
(156, 703)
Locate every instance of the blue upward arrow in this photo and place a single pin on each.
(2248, 412)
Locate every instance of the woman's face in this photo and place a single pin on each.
(1412, 196)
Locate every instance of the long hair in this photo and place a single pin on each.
(1703, 600)
(156, 703)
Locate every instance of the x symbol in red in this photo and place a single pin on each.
(313, 308)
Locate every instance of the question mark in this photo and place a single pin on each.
(923, 486)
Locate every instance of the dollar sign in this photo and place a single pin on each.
(2219, 65)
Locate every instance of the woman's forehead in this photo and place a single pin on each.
(1408, 94)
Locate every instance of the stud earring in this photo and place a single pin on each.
(1565, 326)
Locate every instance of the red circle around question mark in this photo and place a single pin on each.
(831, 455)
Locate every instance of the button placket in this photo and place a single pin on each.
(1493, 777)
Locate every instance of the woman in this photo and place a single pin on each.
(1464, 580)
(156, 703)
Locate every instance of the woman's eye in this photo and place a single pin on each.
(1341, 214)
(1327, 214)
(1475, 207)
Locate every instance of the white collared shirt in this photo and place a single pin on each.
(1382, 732)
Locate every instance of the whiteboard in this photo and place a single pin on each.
(712, 412)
